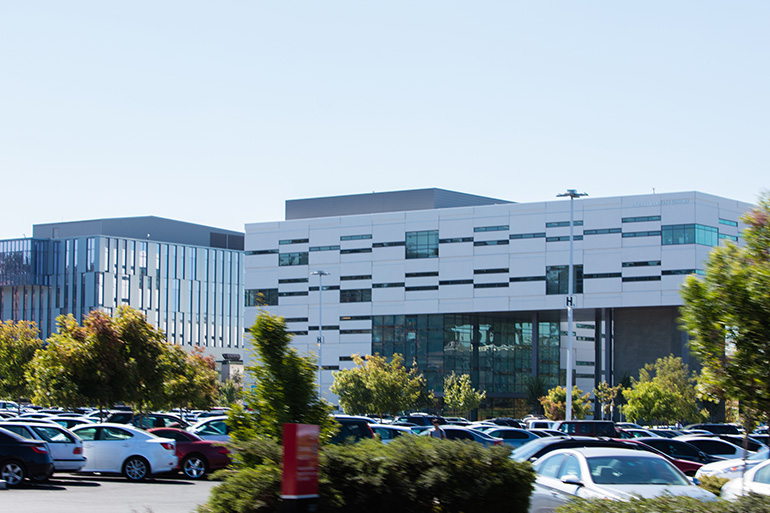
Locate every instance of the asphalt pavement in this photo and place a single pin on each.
(71, 493)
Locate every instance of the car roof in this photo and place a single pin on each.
(592, 452)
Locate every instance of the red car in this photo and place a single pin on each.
(687, 467)
(196, 456)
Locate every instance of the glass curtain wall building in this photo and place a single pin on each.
(185, 278)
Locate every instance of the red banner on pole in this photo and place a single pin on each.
(300, 461)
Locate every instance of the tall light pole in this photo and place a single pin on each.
(320, 275)
(571, 194)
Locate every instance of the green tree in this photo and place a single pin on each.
(231, 391)
(535, 388)
(606, 395)
(665, 393)
(80, 365)
(459, 395)
(18, 343)
(555, 403)
(190, 378)
(284, 386)
(726, 315)
(378, 386)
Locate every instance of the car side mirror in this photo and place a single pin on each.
(572, 480)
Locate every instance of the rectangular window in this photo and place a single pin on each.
(503, 242)
(652, 233)
(602, 231)
(293, 241)
(489, 285)
(526, 278)
(355, 251)
(641, 278)
(500, 228)
(324, 248)
(563, 238)
(640, 219)
(293, 280)
(90, 254)
(491, 271)
(455, 240)
(690, 234)
(356, 296)
(560, 224)
(393, 244)
(421, 287)
(388, 285)
(455, 282)
(601, 275)
(261, 252)
(423, 244)
(261, 297)
(537, 235)
(422, 274)
(356, 277)
(362, 236)
(646, 263)
(727, 222)
(300, 258)
(728, 237)
(556, 279)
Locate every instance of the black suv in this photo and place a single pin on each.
(351, 429)
(588, 428)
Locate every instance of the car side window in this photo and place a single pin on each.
(570, 467)
(110, 433)
(88, 434)
(458, 435)
(549, 467)
(19, 430)
(54, 435)
(763, 475)
(214, 428)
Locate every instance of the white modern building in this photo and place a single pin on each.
(185, 278)
(477, 285)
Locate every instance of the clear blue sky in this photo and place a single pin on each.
(218, 112)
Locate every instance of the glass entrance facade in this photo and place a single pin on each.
(496, 349)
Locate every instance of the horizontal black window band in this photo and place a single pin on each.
(422, 275)
(538, 235)
(387, 285)
(654, 233)
(355, 332)
(601, 275)
(641, 278)
(290, 294)
(296, 332)
(640, 219)
(293, 280)
(329, 328)
(388, 244)
(294, 241)
(455, 240)
(526, 278)
(563, 238)
(326, 287)
(491, 271)
(359, 277)
(602, 231)
(675, 272)
(648, 263)
(356, 237)
(324, 248)
(503, 242)
(455, 282)
(424, 287)
(295, 319)
(489, 285)
(352, 251)
(355, 318)
(262, 252)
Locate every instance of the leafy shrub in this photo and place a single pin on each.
(712, 483)
(414, 474)
(669, 504)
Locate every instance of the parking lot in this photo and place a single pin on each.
(73, 493)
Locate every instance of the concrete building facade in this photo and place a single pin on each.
(478, 285)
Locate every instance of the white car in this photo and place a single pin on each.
(756, 480)
(732, 468)
(212, 428)
(65, 447)
(122, 448)
(606, 473)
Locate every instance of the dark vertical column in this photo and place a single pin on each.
(609, 369)
(476, 340)
(598, 369)
(535, 344)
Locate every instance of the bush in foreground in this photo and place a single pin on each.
(415, 474)
(669, 504)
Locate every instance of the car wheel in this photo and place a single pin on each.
(194, 466)
(136, 468)
(12, 472)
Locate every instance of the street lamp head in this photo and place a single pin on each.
(319, 273)
(572, 194)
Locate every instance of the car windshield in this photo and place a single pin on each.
(529, 449)
(762, 454)
(634, 470)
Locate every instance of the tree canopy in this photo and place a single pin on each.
(664, 393)
(378, 386)
(727, 314)
(555, 403)
(18, 343)
(459, 395)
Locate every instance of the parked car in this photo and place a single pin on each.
(121, 448)
(732, 468)
(196, 456)
(22, 458)
(678, 449)
(543, 432)
(211, 428)
(389, 432)
(756, 480)
(539, 423)
(512, 437)
(538, 448)
(65, 447)
(419, 419)
(588, 428)
(507, 421)
(714, 446)
(71, 422)
(636, 433)
(466, 434)
(718, 429)
(352, 429)
(607, 473)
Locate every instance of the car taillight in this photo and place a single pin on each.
(223, 450)
(40, 449)
(498, 442)
(168, 446)
(77, 450)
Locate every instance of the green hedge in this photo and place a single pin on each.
(749, 504)
(415, 474)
